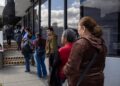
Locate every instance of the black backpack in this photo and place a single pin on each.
(41, 47)
(27, 47)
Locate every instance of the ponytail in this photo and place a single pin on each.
(97, 31)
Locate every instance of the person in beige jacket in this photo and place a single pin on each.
(51, 46)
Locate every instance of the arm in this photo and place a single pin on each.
(72, 67)
(53, 44)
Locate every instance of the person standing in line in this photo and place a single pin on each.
(39, 56)
(51, 46)
(68, 38)
(82, 53)
(27, 47)
(27, 50)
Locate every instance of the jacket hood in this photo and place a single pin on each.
(95, 42)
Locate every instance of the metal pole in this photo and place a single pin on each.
(65, 14)
(33, 19)
(118, 34)
(40, 30)
(81, 9)
(27, 18)
(49, 13)
(24, 20)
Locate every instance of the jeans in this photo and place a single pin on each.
(27, 61)
(41, 67)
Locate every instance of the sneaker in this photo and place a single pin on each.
(27, 70)
(45, 77)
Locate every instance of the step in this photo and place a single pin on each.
(13, 53)
(12, 47)
(14, 61)
(9, 63)
(13, 57)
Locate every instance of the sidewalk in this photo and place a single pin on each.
(15, 75)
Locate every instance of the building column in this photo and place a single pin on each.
(49, 13)
(65, 14)
(40, 29)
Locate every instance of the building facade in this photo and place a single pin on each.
(65, 14)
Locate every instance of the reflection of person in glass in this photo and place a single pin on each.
(82, 53)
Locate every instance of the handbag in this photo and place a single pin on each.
(87, 69)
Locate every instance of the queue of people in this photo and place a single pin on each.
(69, 62)
(81, 63)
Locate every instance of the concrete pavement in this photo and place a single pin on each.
(15, 75)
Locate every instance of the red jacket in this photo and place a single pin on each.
(64, 54)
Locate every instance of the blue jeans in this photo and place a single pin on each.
(41, 67)
(27, 61)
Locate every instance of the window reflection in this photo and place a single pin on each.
(36, 18)
(73, 13)
(107, 16)
(44, 14)
(57, 17)
(44, 18)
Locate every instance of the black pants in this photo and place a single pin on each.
(51, 61)
(55, 80)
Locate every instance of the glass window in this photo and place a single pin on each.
(44, 14)
(73, 13)
(2, 2)
(44, 18)
(31, 18)
(57, 17)
(36, 18)
(107, 15)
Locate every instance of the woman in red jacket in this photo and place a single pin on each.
(68, 38)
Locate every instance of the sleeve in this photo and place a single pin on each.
(72, 67)
(53, 44)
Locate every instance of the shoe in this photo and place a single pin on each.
(27, 71)
(45, 77)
